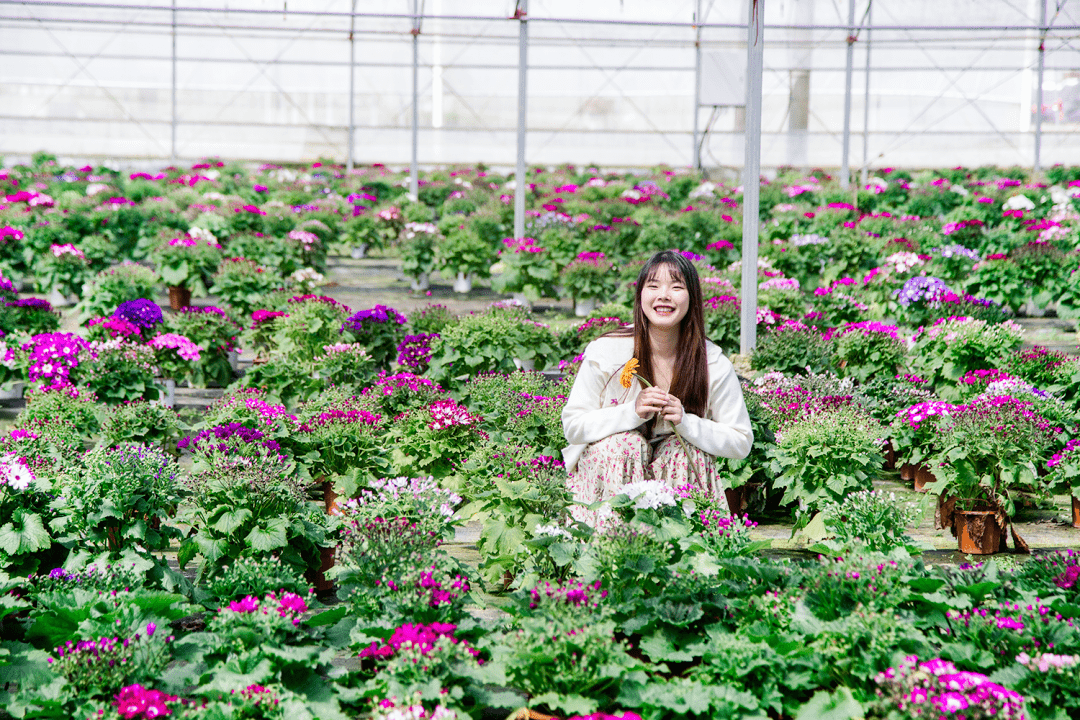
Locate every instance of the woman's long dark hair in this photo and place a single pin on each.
(690, 382)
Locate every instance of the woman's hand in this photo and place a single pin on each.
(673, 410)
(651, 401)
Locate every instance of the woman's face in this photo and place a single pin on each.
(665, 299)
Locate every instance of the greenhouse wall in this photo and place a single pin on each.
(609, 82)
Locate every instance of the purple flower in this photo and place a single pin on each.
(380, 314)
(922, 288)
(141, 312)
(415, 351)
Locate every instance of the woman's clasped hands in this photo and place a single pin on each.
(653, 401)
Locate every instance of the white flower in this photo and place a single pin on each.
(14, 472)
(1018, 202)
(551, 531)
(959, 190)
(95, 188)
(649, 494)
(202, 234)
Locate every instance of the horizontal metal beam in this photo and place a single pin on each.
(407, 17)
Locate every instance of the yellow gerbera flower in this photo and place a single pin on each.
(626, 378)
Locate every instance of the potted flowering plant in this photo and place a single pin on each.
(175, 356)
(464, 255)
(1064, 476)
(62, 272)
(244, 284)
(30, 315)
(183, 264)
(24, 501)
(435, 439)
(528, 270)
(588, 278)
(912, 433)
(120, 498)
(954, 346)
(379, 329)
(106, 290)
(417, 246)
(311, 323)
(987, 451)
(215, 333)
(121, 372)
(867, 350)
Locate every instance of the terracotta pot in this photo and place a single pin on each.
(736, 499)
(978, 532)
(527, 714)
(890, 457)
(1076, 512)
(907, 472)
(326, 561)
(179, 297)
(923, 475)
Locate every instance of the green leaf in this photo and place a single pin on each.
(841, 705)
(25, 533)
(230, 522)
(269, 538)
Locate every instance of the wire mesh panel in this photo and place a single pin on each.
(609, 82)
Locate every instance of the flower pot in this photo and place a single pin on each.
(520, 299)
(179, 297)
(584, 307)
(890, 457)
(420, 283)
(978, 532)
(326, 561)
(15, 393)
(529, 714)
(907, 472)
(1076, 512)
(923, 475)
(169, 398)
(359, 252)
(463, 282)
(738, 498)
(59, 299)
(526, 364)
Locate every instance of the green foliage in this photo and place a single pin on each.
(102, 294)
(244, 284)
(792, 348)
(824, 457)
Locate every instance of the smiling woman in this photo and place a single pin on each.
(682, 385)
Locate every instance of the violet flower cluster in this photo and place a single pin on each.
(574, 593)
(378, 315)
(143, 313)
(230, 438)
(922, 289)
(415, 351)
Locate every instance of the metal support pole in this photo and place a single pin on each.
(845, 161)
(865, 176)
(1039, 88)
(520, 184)
(697, 85)
(414, 166)
(172, 126)
(751, 179)
(352, 84)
